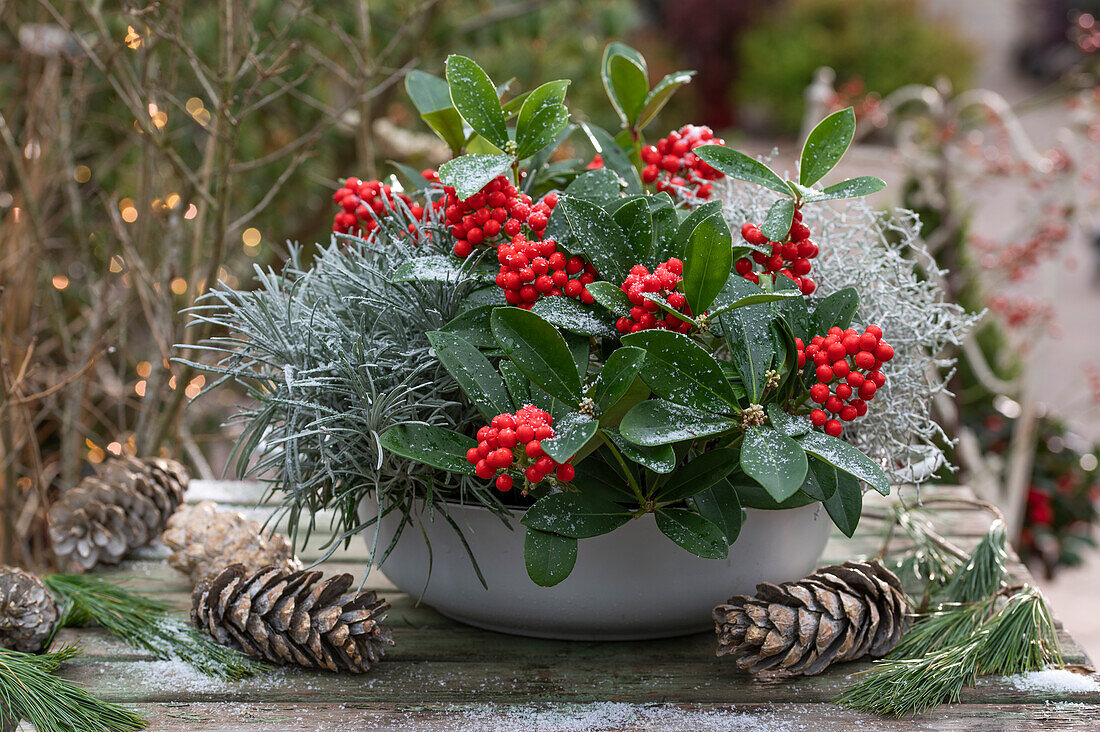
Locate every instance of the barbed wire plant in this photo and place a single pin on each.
(333, 353)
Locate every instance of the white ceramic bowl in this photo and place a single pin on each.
(632, 583)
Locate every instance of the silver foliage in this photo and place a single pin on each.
(880, 255)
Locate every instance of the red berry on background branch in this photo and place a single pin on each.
(510, 446)
(846, 364)
(792, 257)
(671, 166)
(644, 312)
(363, 203)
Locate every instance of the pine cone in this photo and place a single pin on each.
(838, 613)
(206, 541)
(28, 613)
(123, 507)
(287, 617)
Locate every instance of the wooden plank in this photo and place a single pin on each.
(539, 717)
(632, 680)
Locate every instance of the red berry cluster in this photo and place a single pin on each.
(512, 443)
(530, 270)
(494, 214)
(359, 199)
(847, 367)
(672, 166)
(646, 314)
(790, 257)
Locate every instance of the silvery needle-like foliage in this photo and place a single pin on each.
(881, 255)
(333, 354)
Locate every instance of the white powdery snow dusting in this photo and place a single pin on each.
(1054, 681)
(606, 716)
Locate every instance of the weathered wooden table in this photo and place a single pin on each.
(446, 676)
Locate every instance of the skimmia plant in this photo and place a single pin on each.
(587, 339)
(642, 361)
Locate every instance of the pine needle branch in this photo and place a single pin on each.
(947, 626)
(30, 691)
(986, 571)
(146, 624)
(1021, 637)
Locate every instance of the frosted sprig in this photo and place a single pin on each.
(881, 255)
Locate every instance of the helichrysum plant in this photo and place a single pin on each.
(587, 339)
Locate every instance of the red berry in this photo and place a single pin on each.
(833, 404)
(472, 455)
(484, 470)
(824, 374)
(544, 464)
(841, 369)
(848, 413)
(524, 433)
(819, 393)
(867, 390)
(504, 482)
(875, 331)
(533, 474)
(833, 428)
(533, 449)
(884, 352)
(864, 360)
(868, 341)
(877, 377)
(565, 473)
(818, 417)
(844, 391)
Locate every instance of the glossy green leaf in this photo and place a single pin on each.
(432, 99)
(614, 157)
(685, 227)
(594, 233)
(787, 424)
(442, 268)
(476, 99)
(741, 167)
(826, 145)
(570, 435)
(836, 310)
(595, 477)
(845, 505)
(846, 459)
(665, 225)
(864, 185)
(778, 222)
(575, 317)
(720, 505)
(469, 173)
(472, 372)
(539, 351)
(680, 370)
(575, 514)
(692, 532)
(793, 309)
(755, 298)
(611, 297)
(636, 222)
(753, 495)
(473, 325)
(663, 305)
(518, 386)
(750, 344)
(623, 51)
(708, 259)
(659, 96)
(660, 459)
(821, 480)
(550, 558)
(512, 106)
(601, 186)
(615, 377)
(629, 85)
(541, 118)
(697, 474)
(435, 446)
(773, 460)
(661, 422)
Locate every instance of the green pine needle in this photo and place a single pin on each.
(949, 625)
(900, 687)
(30, 691)
(145, 623)
(984, 574)
(1018, 638)
(1021, 637)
